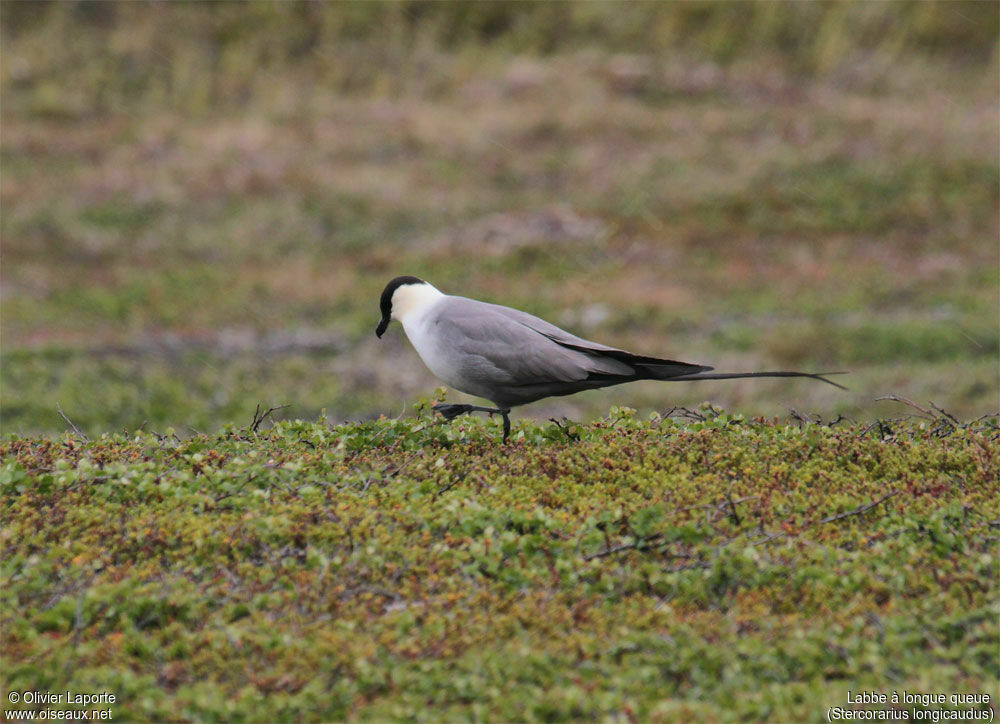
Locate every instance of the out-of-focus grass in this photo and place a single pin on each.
(201, 203)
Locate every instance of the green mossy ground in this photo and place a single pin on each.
(720, 569)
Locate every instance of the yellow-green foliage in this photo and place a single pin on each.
(723, 569)
(225, 52)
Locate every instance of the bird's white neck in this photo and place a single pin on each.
(412, 300)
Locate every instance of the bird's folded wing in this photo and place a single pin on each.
(639, 366)
(503, 344)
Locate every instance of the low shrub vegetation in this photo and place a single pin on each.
(709, 566)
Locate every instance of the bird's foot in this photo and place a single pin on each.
(450, 412)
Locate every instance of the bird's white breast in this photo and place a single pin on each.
(422, 332)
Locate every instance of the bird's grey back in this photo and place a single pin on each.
(512, 357)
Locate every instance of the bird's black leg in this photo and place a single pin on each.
(451, 411)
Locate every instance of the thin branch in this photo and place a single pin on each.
(768, 537)
(910, 403)
(803, 418)
(231, 493)
(733, 515)
(946, 414)
(684, 413)
(645, 544)
(573, 436)
(77, 430)
(859, 510)
(445, 488)
(374, 590)
(656, 541)
(883, 426)
(259, 418)
(687, 566)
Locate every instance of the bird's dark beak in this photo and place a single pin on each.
(380, 329)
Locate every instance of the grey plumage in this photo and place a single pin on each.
(514, 358)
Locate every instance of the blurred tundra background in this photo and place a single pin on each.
(201, 202)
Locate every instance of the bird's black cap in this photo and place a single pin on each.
(385, 303)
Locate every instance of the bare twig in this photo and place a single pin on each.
(258, 418)
(644, 544)
(885, 432)
(768, 537)
(802, 418)
(231, 493)
(733, 515)
(445, 488)
(815, 419)
(399, 468)
(946, 414)
(573, 436)
(910, 403)
(77, 430)
(685, 413)
(374, 590)
(84, 481)
(859, 510)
